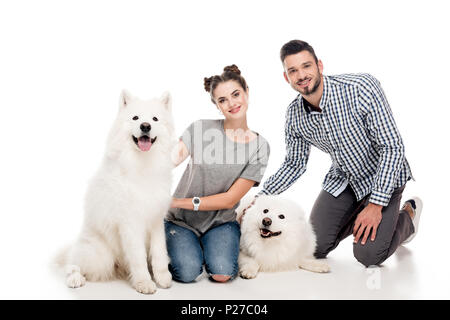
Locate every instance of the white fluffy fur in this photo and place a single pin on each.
(292, 249)
(126, 201)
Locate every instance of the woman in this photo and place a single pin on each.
(227, 159)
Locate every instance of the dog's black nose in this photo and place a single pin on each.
(267, 222)
(146, 127)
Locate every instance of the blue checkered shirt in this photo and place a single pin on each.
(357, 129)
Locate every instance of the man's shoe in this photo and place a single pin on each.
(417, 205)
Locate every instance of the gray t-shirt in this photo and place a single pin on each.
(216, 162)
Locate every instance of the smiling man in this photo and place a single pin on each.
(348, 117)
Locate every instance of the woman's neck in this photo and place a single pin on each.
(238, 130)
(240, 124)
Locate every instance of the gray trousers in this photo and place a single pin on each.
(333, 219)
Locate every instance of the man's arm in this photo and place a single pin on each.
(383, 130)
(294, 165)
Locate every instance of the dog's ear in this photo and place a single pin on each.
(166, 99)
(125, 98)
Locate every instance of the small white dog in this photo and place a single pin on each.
(126, 201)
(275, 236)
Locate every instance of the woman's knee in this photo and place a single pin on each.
(186, 257)
(186, 272)
(222, 268)
(221, 251)
(220, 277)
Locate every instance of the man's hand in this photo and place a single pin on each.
(368, 219)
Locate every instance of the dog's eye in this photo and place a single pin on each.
(265, 211)
(281, 216)
(155, 119)
(135, 118)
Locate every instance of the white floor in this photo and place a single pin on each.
(401, 277)
(30, 237)
(37, 222)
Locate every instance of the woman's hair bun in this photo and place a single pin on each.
(230, 73)
(233, 68)
(207, 83)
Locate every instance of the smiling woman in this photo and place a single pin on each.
(227, 160)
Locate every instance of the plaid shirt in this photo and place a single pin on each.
(357, 128)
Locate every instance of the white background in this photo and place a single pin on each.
(64, 63)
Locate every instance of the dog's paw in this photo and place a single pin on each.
(145, 286)
(74, 277)
(322, 267)
(163, 279)
(75, 280)
(315, 266)
(248, 272)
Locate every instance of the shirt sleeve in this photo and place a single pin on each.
(257, 165)
(385, 136)
(294, 165)
(188, 135)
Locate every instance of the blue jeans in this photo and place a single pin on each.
(218, 249)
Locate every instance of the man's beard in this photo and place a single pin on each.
(316, 85)
(306, 91)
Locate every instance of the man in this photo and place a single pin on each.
(348, 117)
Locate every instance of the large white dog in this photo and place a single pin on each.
(126, 201)
(275, 236)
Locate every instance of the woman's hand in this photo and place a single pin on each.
(225, 200)
(239, 220)
(179, 153)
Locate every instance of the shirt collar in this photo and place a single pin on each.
(309, 108)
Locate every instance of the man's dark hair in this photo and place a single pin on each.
(296, 46)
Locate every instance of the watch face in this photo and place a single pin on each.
(196, 201)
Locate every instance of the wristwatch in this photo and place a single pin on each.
(196, 202)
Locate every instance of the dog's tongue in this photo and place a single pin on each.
(265, 232)
(144, 143)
